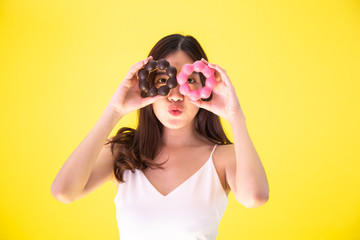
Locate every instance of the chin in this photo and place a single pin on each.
(173, 123)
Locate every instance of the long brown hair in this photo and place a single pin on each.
(136, 149)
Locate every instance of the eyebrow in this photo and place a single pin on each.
(162, 72)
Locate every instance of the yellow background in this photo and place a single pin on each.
(294, 64)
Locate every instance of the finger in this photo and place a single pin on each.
(211, 65)
(220, 89)
(150, 100)
(224, 75)
(207, 63)
(141, 63)
(148, 59)
(201, 104)
(196, 103)
(204, 61)
(135, 68)
(222, 72)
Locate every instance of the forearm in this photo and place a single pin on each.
(76, 171)
(251, 181)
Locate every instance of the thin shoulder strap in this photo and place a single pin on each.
(213, 150)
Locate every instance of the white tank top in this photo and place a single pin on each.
(192, 211)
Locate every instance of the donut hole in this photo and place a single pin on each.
(151, 78)
(160, 79)
(203, 79)
(194, 81)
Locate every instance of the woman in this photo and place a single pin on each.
(174, 172)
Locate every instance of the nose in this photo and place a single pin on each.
(175, 95)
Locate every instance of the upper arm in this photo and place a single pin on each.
(101, 172)
(230, 171)
(230, 166)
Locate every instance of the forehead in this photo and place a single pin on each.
(178, 59)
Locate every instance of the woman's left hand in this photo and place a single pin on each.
(224, 101)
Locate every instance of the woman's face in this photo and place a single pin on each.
(176, 111)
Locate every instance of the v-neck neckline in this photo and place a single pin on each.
(181, 184)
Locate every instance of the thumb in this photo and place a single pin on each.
(201, 104)
(196, 103)
(149, 100)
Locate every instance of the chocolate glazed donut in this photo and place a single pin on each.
(147, 88)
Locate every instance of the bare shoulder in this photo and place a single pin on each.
(224, 153)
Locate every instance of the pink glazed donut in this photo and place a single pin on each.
(210, 81)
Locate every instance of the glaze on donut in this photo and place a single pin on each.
(149, 90)
(210, 81)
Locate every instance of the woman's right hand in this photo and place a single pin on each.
(127, 97)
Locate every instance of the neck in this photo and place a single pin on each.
(182, 137)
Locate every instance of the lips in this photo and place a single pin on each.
(175, 108)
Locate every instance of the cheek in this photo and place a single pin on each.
(155, 108)
(158, 108)
(193, 109)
